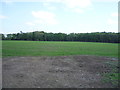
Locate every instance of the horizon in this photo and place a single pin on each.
(68, 16)
(59, 32)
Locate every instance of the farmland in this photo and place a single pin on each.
(59, 44)
(50, 48)
(52, 64)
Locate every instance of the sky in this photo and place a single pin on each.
(65, 16)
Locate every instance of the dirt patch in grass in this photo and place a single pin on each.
(78, 71)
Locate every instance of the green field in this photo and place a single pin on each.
(50, 48)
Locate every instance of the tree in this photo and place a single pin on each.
(2, 37)
(107, 37)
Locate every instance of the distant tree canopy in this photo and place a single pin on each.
(107, 37)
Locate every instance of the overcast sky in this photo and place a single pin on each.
(66, 16)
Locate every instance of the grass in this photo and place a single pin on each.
(50, 48)
(0, 49)
(113, 76)
(47, 48)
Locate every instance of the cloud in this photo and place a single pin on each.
(31, 0)
(76, 6)
(67, 3)
(38, 21)
(115, 14)
(113, 18)
(78, 10)
(58, 0)
(3, 17)
(106, 0)
(44, 17)
(111, 21)
(49, 6)
(8, 1)
(72, 3)
(30, 23)
(77, 3)
(42, 14)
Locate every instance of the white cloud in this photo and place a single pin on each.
(111, 21)
(115, 14)
(72, 3)
(106, 0)
(67, 3)
(46, 4)
(42, 14)
(44, 17)
(52, 8)
(77, 3)
(8, 1)
(31, 0)
(30, 23)
(57, 0)
(49, 6)
(3, 17)
(38, 21)
(78, 10)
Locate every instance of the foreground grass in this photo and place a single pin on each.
(113, 76)
(47, 48)
(0, 48)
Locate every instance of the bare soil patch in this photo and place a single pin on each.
(78, 71)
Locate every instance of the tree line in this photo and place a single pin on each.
(108, 37)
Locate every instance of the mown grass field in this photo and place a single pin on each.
(47, 48)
